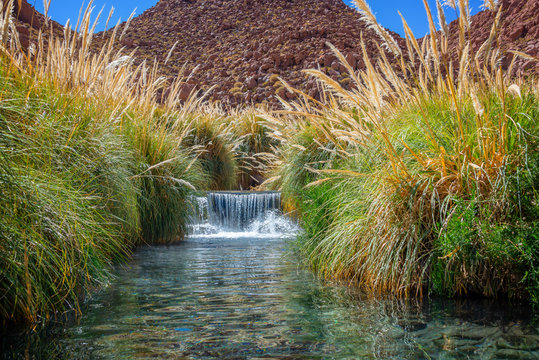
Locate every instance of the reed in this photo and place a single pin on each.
(211, 138)
(68, 207)
(253, 147)
(93, 161)
(416, 178)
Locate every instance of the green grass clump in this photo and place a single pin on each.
(433, 180)
(169, 173)
(93, 161)
(78, 190)
(208, 136)
(68, 208)
(454, 213)
(253, 148)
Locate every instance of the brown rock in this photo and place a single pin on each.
(328, 59)
(26, 13)
(287, 60)
(516, 33)
(335, 65)
(351, 59)
(127, 43)
(265, 66)
(298, 57)
(250, 83)
(290, 95)
(23, 31)
(281, 92)
(186, 91)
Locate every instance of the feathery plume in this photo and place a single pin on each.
(450, 3)
(368, 17)
(491, 5)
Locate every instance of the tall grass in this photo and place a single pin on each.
(423, 177)
(93, 161)
(253, 147)
(210, 135)
(68, 206)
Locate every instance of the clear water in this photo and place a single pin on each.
(230, 294)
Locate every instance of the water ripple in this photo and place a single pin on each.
(241, 298)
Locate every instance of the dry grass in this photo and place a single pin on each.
(415, 139)
(94, 160)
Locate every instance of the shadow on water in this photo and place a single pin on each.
(224, 296)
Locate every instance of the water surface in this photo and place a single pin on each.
(239, 293)
(240, 298)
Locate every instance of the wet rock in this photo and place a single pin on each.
(524, 342)
(479, 333)
(509, 354)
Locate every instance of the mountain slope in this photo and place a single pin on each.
(242, 46)
(518, 30)
(29, 22)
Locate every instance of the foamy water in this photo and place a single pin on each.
(241, 215)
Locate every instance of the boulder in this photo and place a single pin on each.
(185, 91)
(250, 83)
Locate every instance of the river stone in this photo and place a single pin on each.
(412, 326)
(515, 354)
(479, 333)
(525, 342)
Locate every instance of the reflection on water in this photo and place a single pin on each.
(240, 298)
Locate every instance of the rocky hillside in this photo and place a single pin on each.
(29, 22)
(243, 46)
(519, 30)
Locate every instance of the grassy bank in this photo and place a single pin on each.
(424, 177)
(80, 187)
(92, 163)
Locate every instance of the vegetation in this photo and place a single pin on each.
(90, 166)
(424, 177)
(254, 148)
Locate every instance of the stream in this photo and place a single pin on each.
(235, 289)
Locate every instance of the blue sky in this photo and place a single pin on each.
(385, 10)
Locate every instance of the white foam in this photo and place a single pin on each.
(266, 224)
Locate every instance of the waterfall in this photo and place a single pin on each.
(233, 214)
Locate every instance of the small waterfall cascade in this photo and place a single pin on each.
(255, 214)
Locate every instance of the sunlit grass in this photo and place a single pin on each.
(93, 161)
(415, 180)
